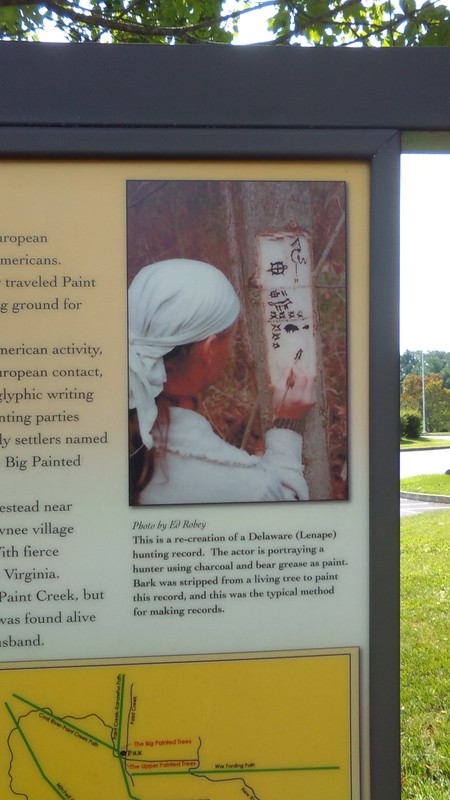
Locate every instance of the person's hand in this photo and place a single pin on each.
(295, 396)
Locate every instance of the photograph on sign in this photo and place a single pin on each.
(237, 317)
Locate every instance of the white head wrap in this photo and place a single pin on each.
(171, 303)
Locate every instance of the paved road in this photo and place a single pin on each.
(409, 508)
(424, 462)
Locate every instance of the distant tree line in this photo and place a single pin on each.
(435, 361)
(437, 389)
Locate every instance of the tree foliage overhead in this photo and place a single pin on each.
(297, 22)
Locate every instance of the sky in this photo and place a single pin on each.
(425, 253)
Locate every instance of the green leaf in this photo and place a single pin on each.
(322, 22)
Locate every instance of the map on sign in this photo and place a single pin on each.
(277, 726)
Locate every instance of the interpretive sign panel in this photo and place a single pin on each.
(86, 575)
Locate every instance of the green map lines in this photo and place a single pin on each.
(258, 726)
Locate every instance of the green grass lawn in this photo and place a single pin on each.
(423, 443)
(427, 484)
(425, 656)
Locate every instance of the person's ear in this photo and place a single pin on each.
(207, 349)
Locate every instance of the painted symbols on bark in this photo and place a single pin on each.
(284, 278)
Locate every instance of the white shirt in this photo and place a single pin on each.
(195, 465)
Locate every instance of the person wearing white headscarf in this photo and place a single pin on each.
(171, 303)
(178, 303)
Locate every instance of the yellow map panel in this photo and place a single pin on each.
(272, 726)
